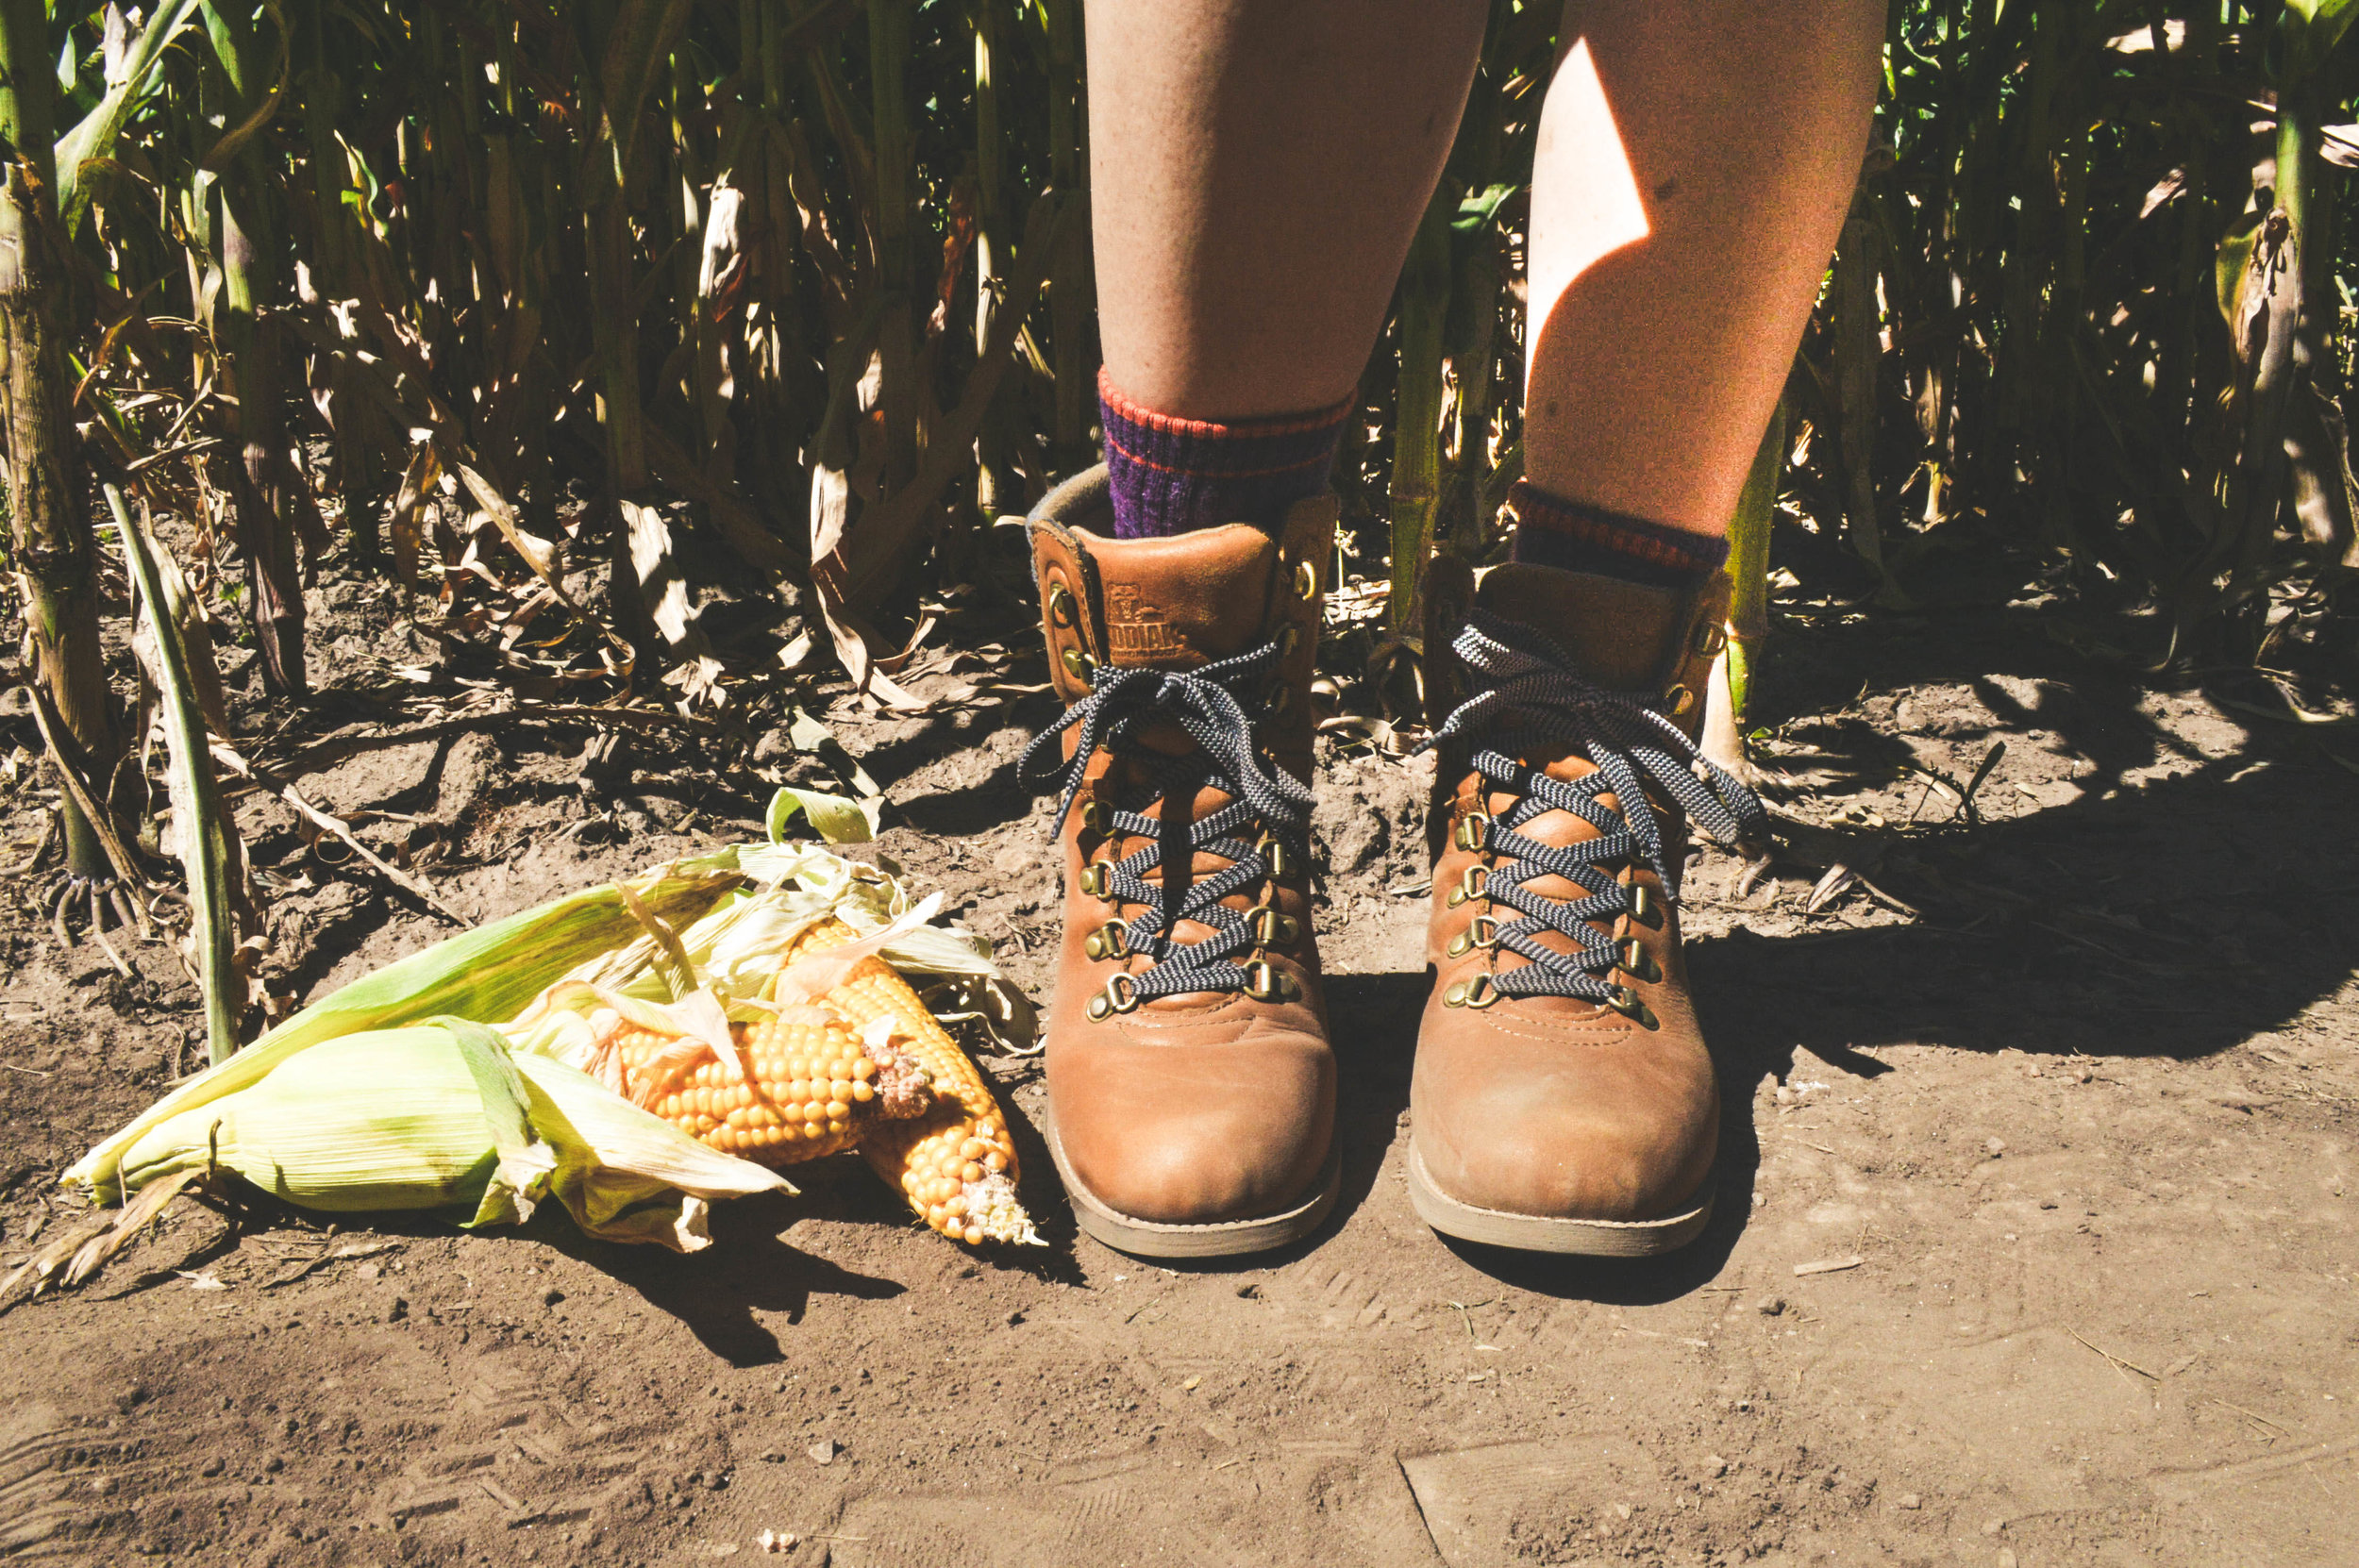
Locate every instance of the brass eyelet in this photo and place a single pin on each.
(1481, 992)
(1306, 580)
(1109, 940)
(1644, 907)
(1470, 885)
(1680, 699)
(1482, 932)
(1470, 831)
(1271, 929)
(1710, 638)
(1637, 961)
(1456, 995)
(1097, 816)
(1120, 995)
(1631, 1006)
(1094, 876)
(1081, 666)
(1271, 850)
(1061, 606)
(1289, 638)
(1265, 982)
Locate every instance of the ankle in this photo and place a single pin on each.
(1574, 535)
(1172, 476)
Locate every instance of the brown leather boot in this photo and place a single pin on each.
(1563, 1100)
(1191, 1089)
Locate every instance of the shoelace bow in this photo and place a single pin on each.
(1122, 703)
(1517, 670)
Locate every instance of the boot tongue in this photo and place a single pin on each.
(1183, 602)
(1622, 636)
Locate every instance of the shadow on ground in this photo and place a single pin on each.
(2175, 919)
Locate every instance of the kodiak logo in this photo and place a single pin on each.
(1135, 629)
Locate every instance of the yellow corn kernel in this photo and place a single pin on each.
(929, 1157)
(792, 1110)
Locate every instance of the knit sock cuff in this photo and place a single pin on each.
(1169, 476)
(1576, 537)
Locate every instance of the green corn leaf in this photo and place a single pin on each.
(838, 819)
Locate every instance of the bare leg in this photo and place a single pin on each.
(1258, 169)
(1695, 164)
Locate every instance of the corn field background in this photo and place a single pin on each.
(678, 356)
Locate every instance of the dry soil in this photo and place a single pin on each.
(2034, 1241)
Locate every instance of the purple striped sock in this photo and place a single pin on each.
(1576, 537)
(1170, 476)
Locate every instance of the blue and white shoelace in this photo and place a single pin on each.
(1267, 806)
(1526, 697)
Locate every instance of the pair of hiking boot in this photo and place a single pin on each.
(1562, 1099)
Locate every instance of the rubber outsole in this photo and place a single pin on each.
(1223, 1238)
(1548, 1233)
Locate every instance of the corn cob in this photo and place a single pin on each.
(813, 1088)
(955, 1163)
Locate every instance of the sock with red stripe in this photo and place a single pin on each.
(1170, 476)
(1576, 537)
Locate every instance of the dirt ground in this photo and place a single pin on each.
(2034, 1241)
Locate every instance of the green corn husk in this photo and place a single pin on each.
(447, 1120)
(486, 974)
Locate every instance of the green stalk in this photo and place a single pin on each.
(1072, 278)
(1749, 562)
(204, 835)
(48, 510)
(889, 24)
(1424, 315)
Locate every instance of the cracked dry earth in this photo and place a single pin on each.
(2035, 1240)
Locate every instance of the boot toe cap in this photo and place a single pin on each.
(1201, 1137)
(1528, 1145)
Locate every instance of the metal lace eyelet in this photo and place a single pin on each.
(1265, 982)
(1470, 885)
(1081, 666)
(1061, 605)
(1289, 638)
(1109, 940)
(1471, 831)
(1097, 816)
(1271, 929)
(1709, 638)
(1482, 932)
(1120, 995)
(1272, 851)
(1680, 699)
(1631, 1006)
(1644, 907)
(1480, 993)
(1094, 876)
(1637, 961)
(1306, 580)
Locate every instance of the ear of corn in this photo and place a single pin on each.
(955, 1163)
(658, 1029)
(446, 1120)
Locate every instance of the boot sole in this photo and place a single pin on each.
(1219, 1238)
(1549, 1233)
